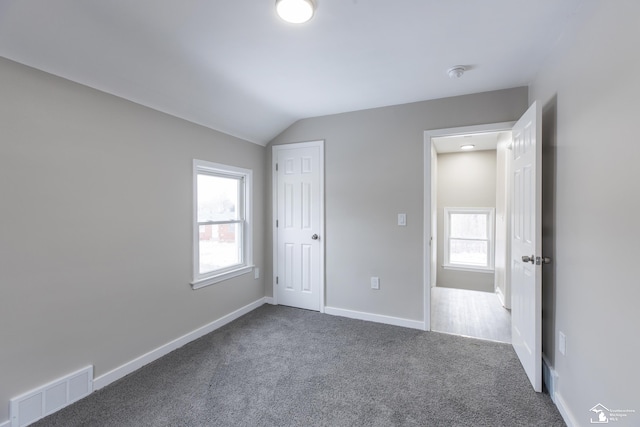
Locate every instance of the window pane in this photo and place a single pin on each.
(220, 246)
(218, 198)
(468, 226)
(471, 252)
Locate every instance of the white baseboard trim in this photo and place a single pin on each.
(567, 415)
(500, 296)
(6, 423)
(139, 362)
(267, 300)
(378, 318)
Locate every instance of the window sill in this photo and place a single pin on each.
(197, 284)
(468, 268)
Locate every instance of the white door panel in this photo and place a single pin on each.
(526, 285)
(298, 185)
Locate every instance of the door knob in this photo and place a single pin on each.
(315, 237)
(530, 259)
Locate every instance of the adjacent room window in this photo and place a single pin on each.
(468, 238)
(222, 222)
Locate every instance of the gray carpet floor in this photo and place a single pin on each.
(280, 366)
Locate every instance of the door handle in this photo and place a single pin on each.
(315, 237)
(530, 259)
(536, 260)
(543, 260)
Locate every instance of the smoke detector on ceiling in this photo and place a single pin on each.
(457, 71)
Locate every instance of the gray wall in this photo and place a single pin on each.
(95, 229)
(374, 170)
(465, 180)
(589, 90)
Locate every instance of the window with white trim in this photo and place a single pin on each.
(221, 223)
(469, 239)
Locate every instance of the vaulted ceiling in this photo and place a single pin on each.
(234, 66)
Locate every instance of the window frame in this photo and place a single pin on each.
(490, 212)
(245, 176)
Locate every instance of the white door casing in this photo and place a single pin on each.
(299, 232)
(526, 241)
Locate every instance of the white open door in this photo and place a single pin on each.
(298, 247)
(526, 244)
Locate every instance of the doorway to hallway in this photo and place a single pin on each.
(523, 234)
(469, 287)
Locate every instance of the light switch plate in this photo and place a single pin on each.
(375, 283)
(402, 220)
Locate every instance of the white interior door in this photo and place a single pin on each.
(299, 232)
(526, 243)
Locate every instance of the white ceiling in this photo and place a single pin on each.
(236, 67)
(481, 141)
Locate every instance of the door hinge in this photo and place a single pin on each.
(276, 223)
(276, 280)
(276, 167)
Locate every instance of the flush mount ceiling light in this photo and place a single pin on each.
(467, 147)
(457, 71)
(295, 11)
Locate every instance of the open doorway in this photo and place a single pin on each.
(523, 275)
(469, 289)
